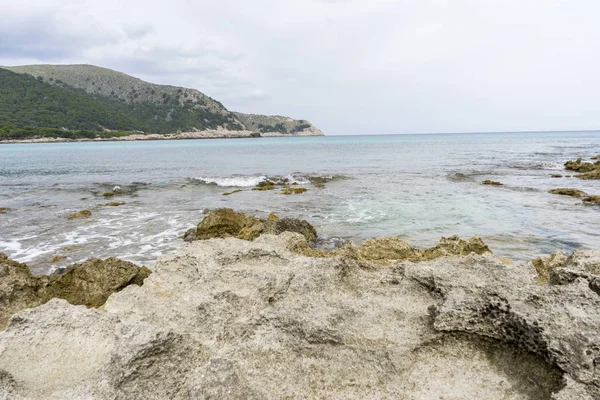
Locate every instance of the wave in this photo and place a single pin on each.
(538, 165)
(232, 181)
(244, 181)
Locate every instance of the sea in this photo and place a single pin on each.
(417, 187)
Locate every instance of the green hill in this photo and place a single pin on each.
(26, 101)
(67, 98)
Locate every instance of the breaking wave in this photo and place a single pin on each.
(244, 181)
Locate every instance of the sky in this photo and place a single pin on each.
(348, 66)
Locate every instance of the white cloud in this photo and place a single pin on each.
(349, 66)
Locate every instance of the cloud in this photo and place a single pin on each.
(349, 66)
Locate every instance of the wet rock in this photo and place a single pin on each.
(89, 284)
(591, 200)
(580, 166)
(489, 182)
(223, 223)
(595, 174)
(230, 193)
(556, 176)
(80, 215)
(112, 204)
(596, 157)
(568, 192)
(3, 210)
(237, 319)
(583, 264)
(58, 259)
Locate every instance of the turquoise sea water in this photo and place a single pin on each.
(420, 187)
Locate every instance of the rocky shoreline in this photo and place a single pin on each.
(251, 308)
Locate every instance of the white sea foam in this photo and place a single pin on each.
(233, 181)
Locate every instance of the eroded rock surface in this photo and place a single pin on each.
(234, 319)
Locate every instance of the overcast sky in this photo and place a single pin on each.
(348, 66)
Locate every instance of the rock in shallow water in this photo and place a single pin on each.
(225, 222)
(236, 319)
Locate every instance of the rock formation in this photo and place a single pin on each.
(237, 319)
(225, 222)
(89, 283)
(587, 170)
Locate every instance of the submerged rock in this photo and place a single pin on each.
(591, 200)
(290, 190)
(556, 176)
(493, 183)
(568, 192)
(80, 215)
(89, 283)
(3, 210)
(264, 188)
(236, 319)
(112, 204)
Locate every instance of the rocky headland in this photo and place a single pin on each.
(252, 308)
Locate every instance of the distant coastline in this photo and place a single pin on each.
(208, 134)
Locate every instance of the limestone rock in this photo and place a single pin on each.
(235, 319)
(581, 264)
(560, 323)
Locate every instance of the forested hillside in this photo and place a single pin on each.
(85, 101)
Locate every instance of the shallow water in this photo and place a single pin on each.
(420, 187)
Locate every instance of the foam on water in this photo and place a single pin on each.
(232, 181)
